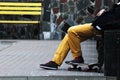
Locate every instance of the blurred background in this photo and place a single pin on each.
(56, 15)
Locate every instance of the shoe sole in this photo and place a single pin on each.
(48, 68)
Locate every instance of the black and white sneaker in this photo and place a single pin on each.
(51, 65)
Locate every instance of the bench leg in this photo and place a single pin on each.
(100, 49)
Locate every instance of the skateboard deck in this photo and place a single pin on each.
(83, 67)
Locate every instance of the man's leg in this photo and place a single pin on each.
(78, 34)
(61, 51)
(59, 56)
(71, 41)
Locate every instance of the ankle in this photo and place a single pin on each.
(78, 58)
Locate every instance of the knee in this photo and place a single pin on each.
(70, 30)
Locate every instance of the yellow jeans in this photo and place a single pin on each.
(72, 40)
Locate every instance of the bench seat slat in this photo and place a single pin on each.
(21, 8)
(20, 13)
(19, 22)
(19, 4)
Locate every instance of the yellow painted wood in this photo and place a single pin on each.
(19, 22)
(19, 4)
(20, 8)
(20, 12)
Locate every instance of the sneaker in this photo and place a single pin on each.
(77, 60)
(49, 66)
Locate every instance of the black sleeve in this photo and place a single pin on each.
(118, 0)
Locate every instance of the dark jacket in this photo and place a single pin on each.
(108, 20)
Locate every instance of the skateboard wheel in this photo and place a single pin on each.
(69, 69)
(79, 68)
(96, 68)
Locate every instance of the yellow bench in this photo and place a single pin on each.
(20, 9)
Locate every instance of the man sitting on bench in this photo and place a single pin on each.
(75, 35)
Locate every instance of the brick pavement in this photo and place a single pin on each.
(22, 58)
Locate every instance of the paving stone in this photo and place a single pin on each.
(22, 58)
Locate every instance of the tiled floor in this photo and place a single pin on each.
(22, 58)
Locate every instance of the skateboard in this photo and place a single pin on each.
(83, 67)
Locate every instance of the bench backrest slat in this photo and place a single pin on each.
(19, 4)
(20, 13)
(19, 22)
(20, 8)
